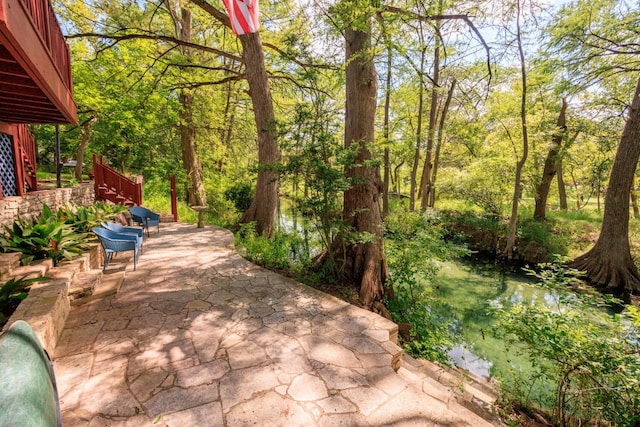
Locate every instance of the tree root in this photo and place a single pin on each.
(609, 273)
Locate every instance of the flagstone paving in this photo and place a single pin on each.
(198, 336)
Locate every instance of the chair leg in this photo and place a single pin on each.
(107, 259)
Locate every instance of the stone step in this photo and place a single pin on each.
(462, 379)
(109, 285)
(449, 384)
(427, 385)
(35, 269)
(46, 310)
(8, 262)
(91, 259)
(84, 283)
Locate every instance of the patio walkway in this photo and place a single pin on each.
(198, 336)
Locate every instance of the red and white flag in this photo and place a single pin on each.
(244, 15)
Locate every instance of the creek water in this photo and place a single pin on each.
(464, 293)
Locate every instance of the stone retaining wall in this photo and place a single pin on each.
(30, 205)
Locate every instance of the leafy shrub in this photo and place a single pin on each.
(413, 245)
(592, 363)
(278, 253)
(240, 195)
(12, 292)
(541, 236)
(84, 218)
(47, 237)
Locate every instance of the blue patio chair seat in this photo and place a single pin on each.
(145, 217)
(125, 230)
(113, 243)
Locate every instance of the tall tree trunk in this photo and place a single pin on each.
(440, 141)
(562, 189)
(387, 161)
(517, 191)
(609, 264)
(85, 131)
(362, 263)
(550, 164)
(396, 179)
(634, 201)
(416, 155)
(226, 130)
(263, 208)
(196, 194)
(425, 182)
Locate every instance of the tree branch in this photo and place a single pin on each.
(142, 36)
(214, 12)
(462, 17)
(210, 83)
(294, 60)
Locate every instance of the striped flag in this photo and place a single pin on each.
(244, 15)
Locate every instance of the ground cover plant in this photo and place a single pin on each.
(589, 365)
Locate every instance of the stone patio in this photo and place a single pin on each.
(198, 336)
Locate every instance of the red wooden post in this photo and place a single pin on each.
(96, 178)
(174, 201)
(139, 193)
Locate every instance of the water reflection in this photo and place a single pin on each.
(291, 222)
(466, 290)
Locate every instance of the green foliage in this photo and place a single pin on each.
(83, 218)
(315, 167)
(541, 234)
(485, 183)
(12, 292)
(157, 197)
(240, 195)
(592, 362)
(413, 244)
(461, 225)
(47, 237)
(274, 254)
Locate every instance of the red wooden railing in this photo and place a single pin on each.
(112, 185)
(27, 156)
(46, 23)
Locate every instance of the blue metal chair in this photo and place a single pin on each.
(125, 230)
(113, 243)
(145, 217)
